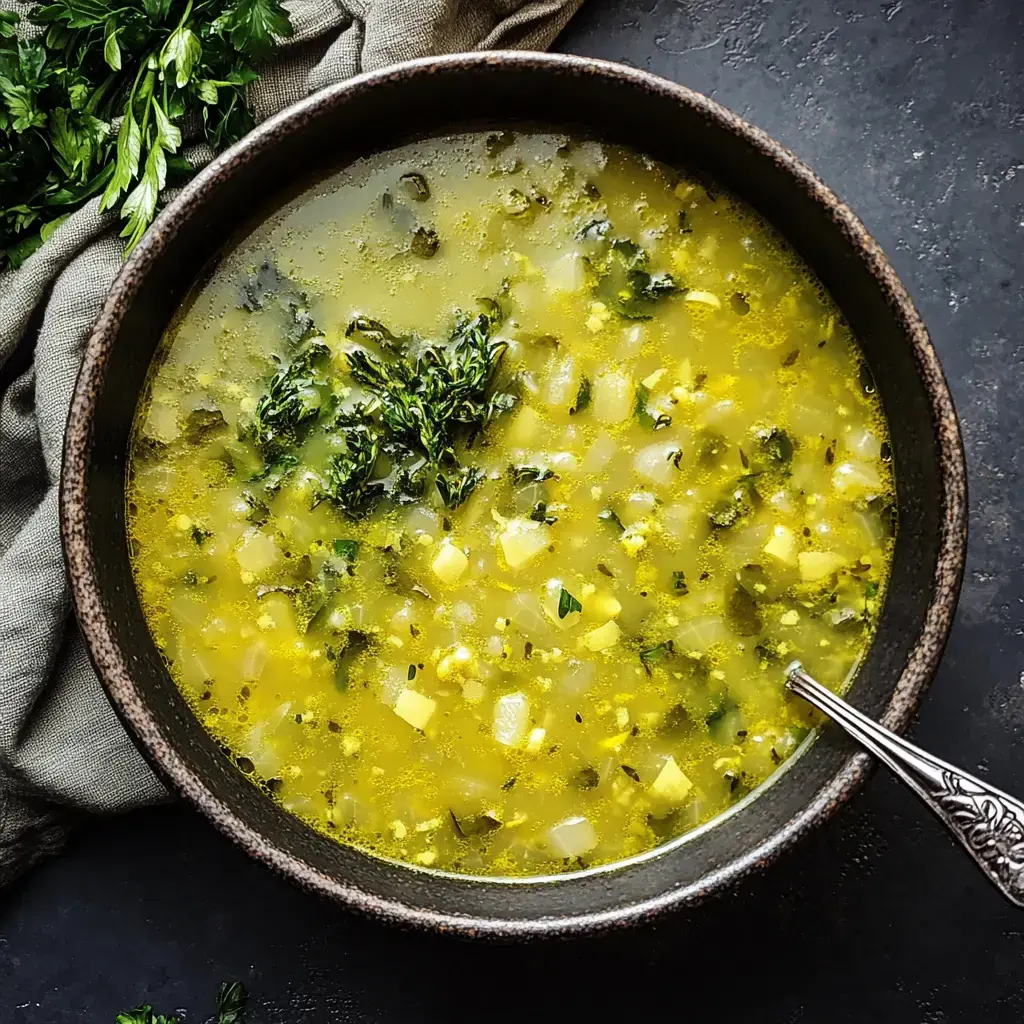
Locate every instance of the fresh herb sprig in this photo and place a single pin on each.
(231, 1000)
(96, 105)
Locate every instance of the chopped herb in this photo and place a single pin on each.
(776, 447)
(743, 614)
(527, 650)
(411, 675)
(644, 416)
(586, 778)
(711, 446)
(630, 771)
(624, 282)
(258, 512)
(530, 474)
(609, 516)
(540, 514)
(683, 222)
(292, 401)
(738, 304)
(830, 453)
(347, 549)
(679, 582)
(375, 331)
(567, 604)
(454, 492)
(791, 358)
(199, 535)
(604, 570)
(474, 824)
(276, 471)
(508, 784)
(425, 242)
(652, 655)
(582, 396)
(579, 718)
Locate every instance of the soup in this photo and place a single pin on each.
(480, 497)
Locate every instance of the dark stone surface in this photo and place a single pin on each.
(914, 112)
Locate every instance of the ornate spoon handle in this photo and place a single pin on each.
(988, 822)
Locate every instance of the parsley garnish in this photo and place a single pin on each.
(153, 65)
(231, 999)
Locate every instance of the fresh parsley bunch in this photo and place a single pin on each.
(96, 105)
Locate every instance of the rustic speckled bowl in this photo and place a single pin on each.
(617, 104)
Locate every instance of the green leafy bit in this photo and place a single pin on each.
(231, 1000)
(199, 535)
(646, 418)
(474, 824)
(653, 655)
(567, 604)
(583, 395)
(540, 514)
(609, 516)
(425, 242)
(152, 65)
(743, 613)
(347, 549)
(530, 474)
(775, 447)
(365, 328)
(292, 401)
(456, 490)
(422, 407)
(276, 471)
(679, 582)
(624, 281)
(356, 643)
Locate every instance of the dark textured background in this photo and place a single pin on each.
(913, 111)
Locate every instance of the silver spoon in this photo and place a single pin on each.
(988, 822)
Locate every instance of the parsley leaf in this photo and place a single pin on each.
(567, 604)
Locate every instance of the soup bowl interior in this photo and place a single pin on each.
(614, 104)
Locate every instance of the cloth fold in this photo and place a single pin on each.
(63, 752)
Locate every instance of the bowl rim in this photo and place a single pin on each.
(113, 665)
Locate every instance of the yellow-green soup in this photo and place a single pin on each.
(480, 497)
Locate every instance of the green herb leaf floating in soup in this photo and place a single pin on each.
(480, 520)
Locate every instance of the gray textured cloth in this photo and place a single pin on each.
(62, 751)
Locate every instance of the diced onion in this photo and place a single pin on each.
(511, 719)
(613, 397)
(572, 837)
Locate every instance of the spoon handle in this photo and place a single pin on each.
(988, 822)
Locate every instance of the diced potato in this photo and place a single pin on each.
(855, 478)
(415, 708)
(602, 637)
(782, 545)
(603, 606)
(613, 397)
(567, 274)
(572, 837)
(524, 427)
(562, 384)
(816, 565)
(257, 552)
(654, 463)
(449, 564)
(523, 540)
(671, 783)
(511, 719)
